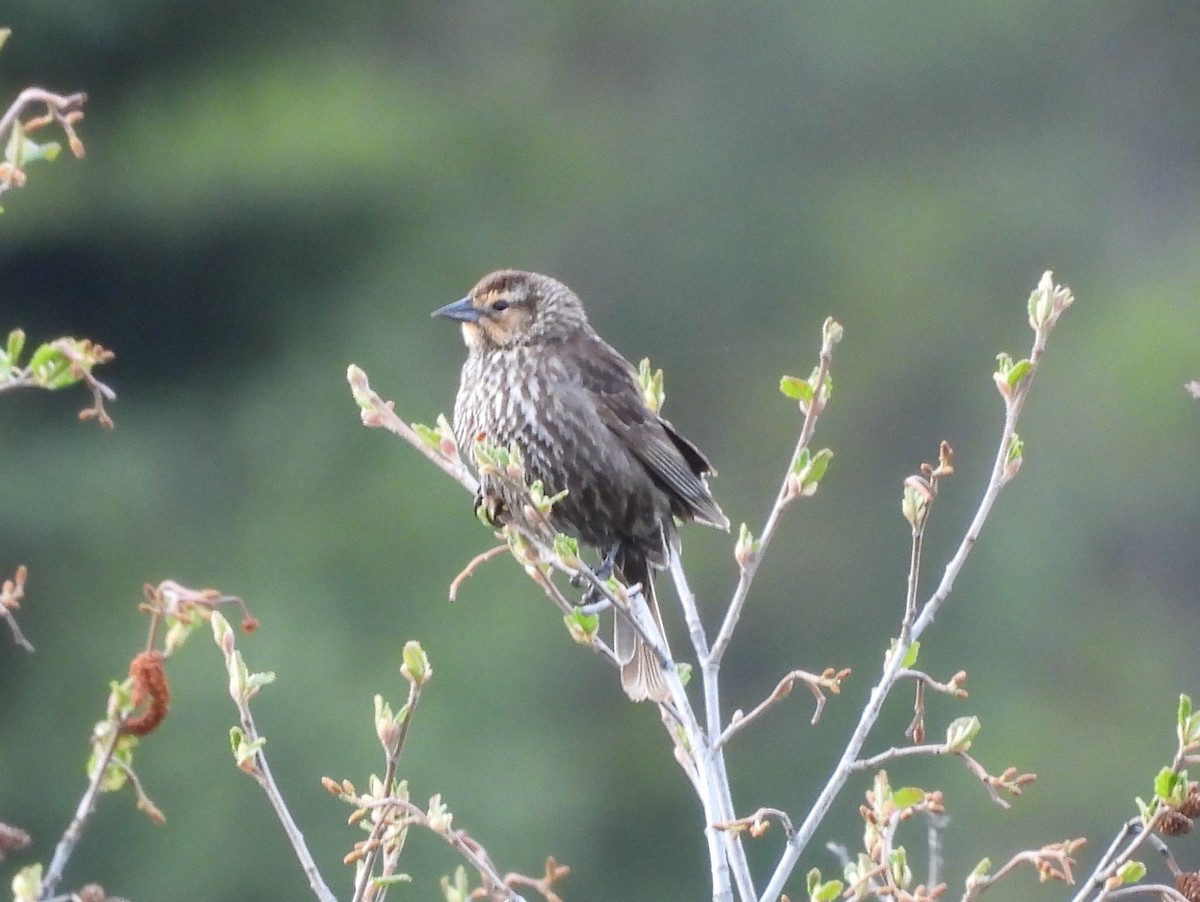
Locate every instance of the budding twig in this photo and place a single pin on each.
(11, 593)
(817, 684)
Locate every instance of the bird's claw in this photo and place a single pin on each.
(490, 509)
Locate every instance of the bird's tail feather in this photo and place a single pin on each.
(642, 674)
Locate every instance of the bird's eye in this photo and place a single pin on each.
(500, 305)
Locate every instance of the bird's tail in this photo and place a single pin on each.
(642, 674)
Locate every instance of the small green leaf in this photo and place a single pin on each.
(1171, 787)
(428, 434)
(582, 626)
(255, 681)
(1131, 872)
(812, 880)
(746, 547)
(1019, 371)
(982, 869)
(567, 549)
(684, 669)
(32, 151)
(827, 892)
(16, 344)
(1163, 783)
(796, 388)
(51, 368)
(460, 889)
(898, 865)
(391, 879)
(907, 796)
(910, 657)
(1189, 722)
(439, 817)
(651, 382)
(1145, 809)
(831, 331)
(27, 884)
(810, 476)
(541, 501)
(416, 667)
(16, 142)
(244, 749)
(961, 732)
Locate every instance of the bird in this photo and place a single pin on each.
(537, 376)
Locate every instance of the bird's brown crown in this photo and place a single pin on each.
(515, 307)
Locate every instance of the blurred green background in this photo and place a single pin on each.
(274, 190)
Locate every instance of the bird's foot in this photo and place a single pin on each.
(490, 509)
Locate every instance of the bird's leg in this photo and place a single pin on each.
(603, 572)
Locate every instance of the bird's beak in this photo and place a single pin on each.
(462, 310)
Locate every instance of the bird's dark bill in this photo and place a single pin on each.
(463, 311)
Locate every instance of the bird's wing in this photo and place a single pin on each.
(672, 461)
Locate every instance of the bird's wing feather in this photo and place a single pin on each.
(671, 460)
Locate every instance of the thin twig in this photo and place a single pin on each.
(756, 824)
(467, 847)
(256, 765)
(1149, 889)
(18, 636)
(475, 563)
(1052, 862)
(952, 687)
(830, 679)
(914, 576)
(374, 841)
(56, 103)
(935, 825)
(1009, 780)
(1109, 864)
(1094, 879)
(261, 772)
(377, 413)
(737, 602)
(83, 811)
(11, 593)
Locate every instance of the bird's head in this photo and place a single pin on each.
(511, 307)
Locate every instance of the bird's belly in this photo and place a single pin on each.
(610, 496)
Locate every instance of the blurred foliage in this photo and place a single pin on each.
(275, 190)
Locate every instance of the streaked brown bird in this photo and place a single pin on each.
(539, 376)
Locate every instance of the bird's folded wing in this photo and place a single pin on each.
(672, 461)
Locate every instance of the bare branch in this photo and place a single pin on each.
(817, 684)
(468, 571)
(11, 593)
(756, 824)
